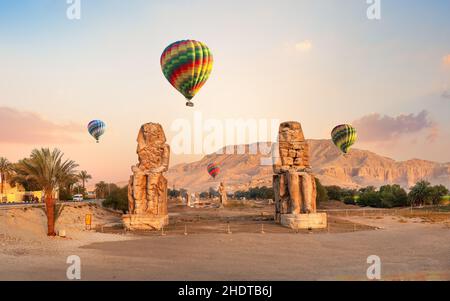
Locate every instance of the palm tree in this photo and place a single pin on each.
(84, 177)
(49, 170)
(6, 169)
(100, 189)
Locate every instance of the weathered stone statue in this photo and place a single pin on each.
(147, 188)
(222, 195)
(293, 183)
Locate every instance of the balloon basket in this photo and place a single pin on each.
(189, 104)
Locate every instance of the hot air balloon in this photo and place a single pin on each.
(344, 136)
(213, 170)
(96, 128)
(187, 65)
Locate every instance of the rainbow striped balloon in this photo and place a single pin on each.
(96, 128)
(187, 65)
(344, 136)
(213, 170)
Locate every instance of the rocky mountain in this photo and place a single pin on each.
(242, 170)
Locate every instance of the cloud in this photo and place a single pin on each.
(446, 60)
(30, 128)
(304, 46)
(377, 128)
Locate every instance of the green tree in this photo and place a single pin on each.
(437, 193)
(419, 193)
(322, 193)
(393, 196)
(84, 177)
(49, 171)
(370, 198)
(6, 170)
(334, 192)
(101, 190)
(117, 199)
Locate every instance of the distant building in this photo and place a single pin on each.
(18, 194)
(91, 195)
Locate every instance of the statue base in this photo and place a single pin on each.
(304, 221)
(145, 222)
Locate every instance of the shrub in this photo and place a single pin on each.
(117, 200)
(349, 200)
(322, 194)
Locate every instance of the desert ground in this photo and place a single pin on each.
(240, 242)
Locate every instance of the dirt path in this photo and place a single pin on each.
(412, 251)
(409, 248)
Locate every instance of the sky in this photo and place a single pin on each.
(319, 62)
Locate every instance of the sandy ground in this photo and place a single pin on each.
(409, 248)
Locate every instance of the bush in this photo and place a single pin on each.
(349, 200)
(437, 193)
(334, 192)
(255, 193)
(117, 200)
(322, 194)
(393, 196)
(65, 195)
(370, 199)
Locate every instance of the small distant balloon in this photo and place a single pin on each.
(96, 128)
(344, 136)
(187, 65)
(213, 170)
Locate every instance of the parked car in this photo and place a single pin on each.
(78, 198)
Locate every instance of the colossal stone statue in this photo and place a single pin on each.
(293, 183)
(147, 188)
(222, 195)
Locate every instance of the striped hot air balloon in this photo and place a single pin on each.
(213, 170)
(187, 65)
(344, 136)
(96, 128)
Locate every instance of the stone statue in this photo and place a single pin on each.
(293, 183)
(222, 195)
(147, 187)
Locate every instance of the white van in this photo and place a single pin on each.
(78, 198)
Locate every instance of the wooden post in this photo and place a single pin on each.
(262, 229)
(228, 228)
(185, 230)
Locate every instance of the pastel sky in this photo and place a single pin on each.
(318, 62)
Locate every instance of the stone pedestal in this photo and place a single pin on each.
(304, 221)
(144, 222)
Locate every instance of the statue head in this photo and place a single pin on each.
(290, 131)
(153, 133)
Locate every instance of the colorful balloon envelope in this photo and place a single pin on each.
(187, 65)
(96, 128)
(213, 170)
(344, 136)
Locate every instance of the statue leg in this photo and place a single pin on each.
(131, 199)
(307, 190)
(139, 187)
(294, 192)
